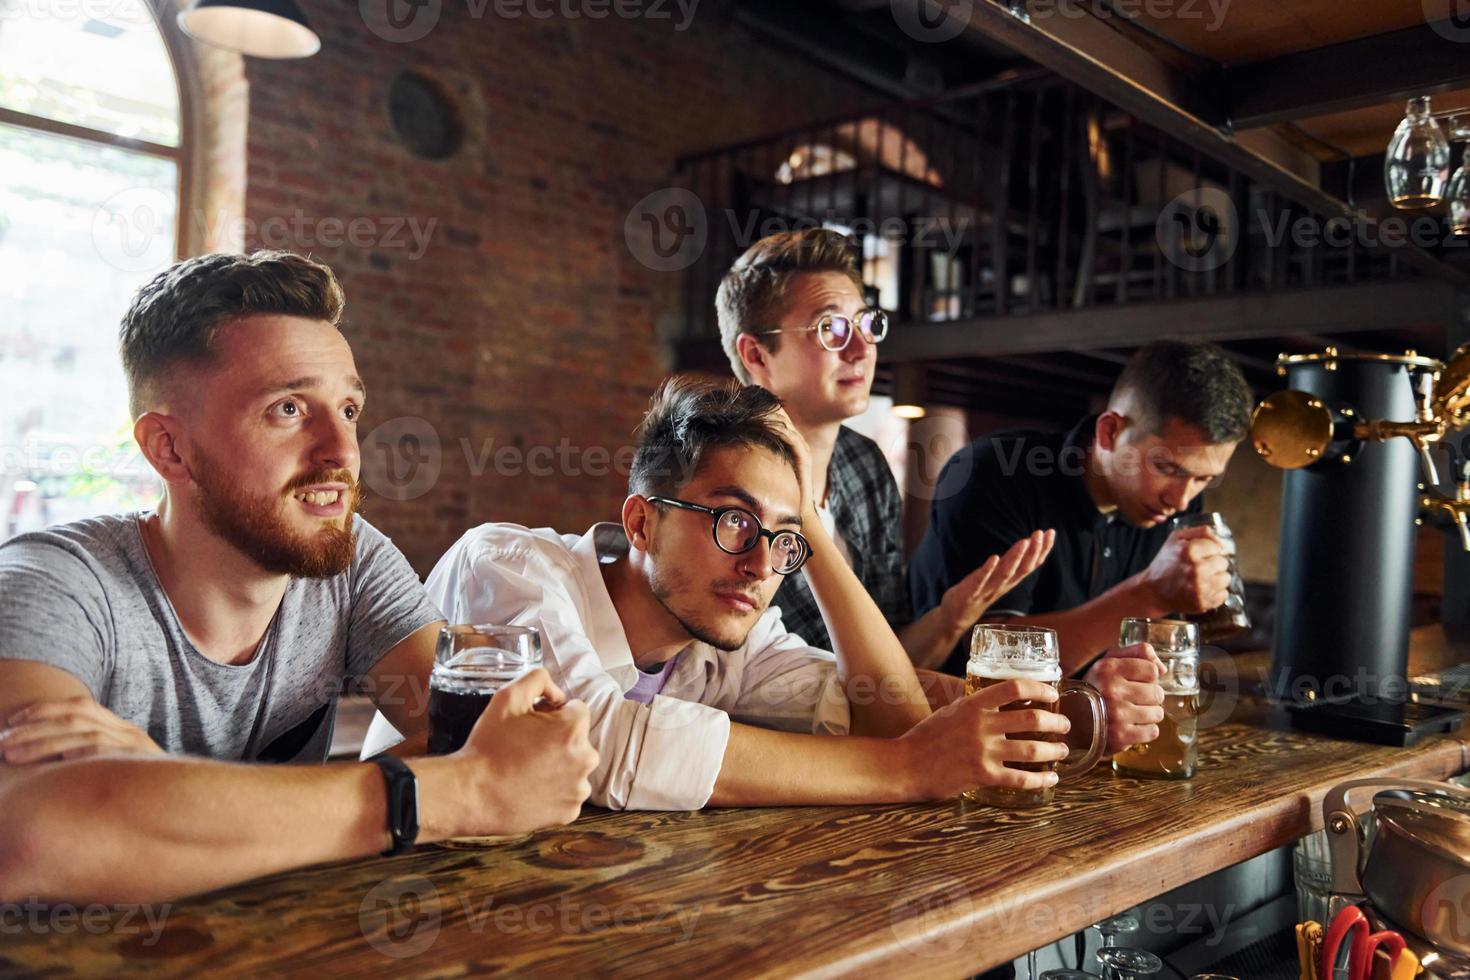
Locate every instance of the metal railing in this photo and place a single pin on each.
(1014, 197)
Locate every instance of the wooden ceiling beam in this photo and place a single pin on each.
(1368, 71)
(1412, 304)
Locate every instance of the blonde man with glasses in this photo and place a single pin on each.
(793, 320)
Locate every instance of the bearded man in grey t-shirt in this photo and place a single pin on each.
(218, 628)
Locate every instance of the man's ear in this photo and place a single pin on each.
(754, 357)
(157, 436)
(1110, 428)
(637, 521)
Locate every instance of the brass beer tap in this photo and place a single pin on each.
(1426, 430)
(1458, 506)
(1294, 429)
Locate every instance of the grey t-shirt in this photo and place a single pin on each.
(84, 597)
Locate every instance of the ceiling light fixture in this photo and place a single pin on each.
(260, 28)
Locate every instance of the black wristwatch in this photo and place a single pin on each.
(403, 803)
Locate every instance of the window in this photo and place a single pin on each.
(90, 175)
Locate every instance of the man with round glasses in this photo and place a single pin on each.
(661, 623)
(793, 320)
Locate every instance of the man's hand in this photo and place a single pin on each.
(69, 728)
(1191, 572)
(530, 759)
(1128, 679)
(803, 453)
(968, 599)
(965, 745)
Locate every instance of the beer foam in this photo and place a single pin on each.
(459, 677)
(1009, 670)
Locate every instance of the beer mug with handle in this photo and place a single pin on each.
(1001, 653)
(1219, 624)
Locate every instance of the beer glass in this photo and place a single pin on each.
(471, 663)
(1173, 754)
(1229, 618)
(1005, 653)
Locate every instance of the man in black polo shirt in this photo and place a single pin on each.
(1109, 488)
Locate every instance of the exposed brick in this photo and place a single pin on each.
(526, 321)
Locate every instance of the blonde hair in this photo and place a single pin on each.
(756, 284)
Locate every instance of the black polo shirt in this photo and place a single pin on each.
(1003, 487)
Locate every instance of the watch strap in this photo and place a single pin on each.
(403, 803)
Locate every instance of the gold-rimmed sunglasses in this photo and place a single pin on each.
(835, 330)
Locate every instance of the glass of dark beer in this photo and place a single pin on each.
(471, 663)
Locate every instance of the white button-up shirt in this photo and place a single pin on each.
(660, 756)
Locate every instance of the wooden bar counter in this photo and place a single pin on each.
(943, 889)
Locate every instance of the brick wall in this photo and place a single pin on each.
(527, 322)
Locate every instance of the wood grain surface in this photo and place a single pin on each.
(939, 890)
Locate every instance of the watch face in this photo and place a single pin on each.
(423, 117)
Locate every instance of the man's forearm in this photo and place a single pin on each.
(1085, 631)
(941, 689)
(133, 830)
(930, 638)
(770, 768)
(879, 679)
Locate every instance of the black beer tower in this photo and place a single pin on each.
(1350, 500)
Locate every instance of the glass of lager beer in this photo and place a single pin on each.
(1172, 755)
(1030, 653)
(471, 663)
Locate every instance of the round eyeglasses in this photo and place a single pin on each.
(736, 531)
(835, 331)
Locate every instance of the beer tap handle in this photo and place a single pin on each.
(1459, 468)
(1464, 527)
(1424, 396)
(1426, 456)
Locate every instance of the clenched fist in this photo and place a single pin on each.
(1128, 679)
(1191, 572)
(527, 759)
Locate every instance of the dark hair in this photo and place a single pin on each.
(174, 318)
(1193, 382)
(691, 416)
(755, 285)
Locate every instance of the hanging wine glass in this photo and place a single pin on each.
(1457, 194)
(1121, 963)
(1417, 164)
(1110, 929)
